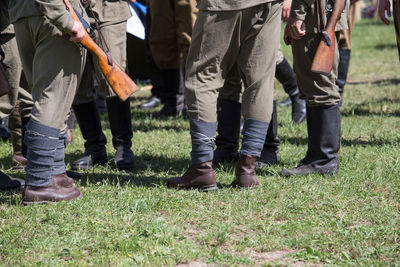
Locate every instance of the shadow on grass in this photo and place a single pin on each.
(363, 109)
(388, 81)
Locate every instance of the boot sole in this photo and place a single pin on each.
(27, 203)
(204, 188)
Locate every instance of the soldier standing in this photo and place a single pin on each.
(229, 38)
(321, 92)
(53, 66)
(111, 22)
(171, 29)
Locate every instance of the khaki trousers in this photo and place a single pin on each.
(222, 41)
(317, 89)
(52, 67)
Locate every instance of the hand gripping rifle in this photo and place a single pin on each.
(323, 58)
(119, 81)
(4, 85)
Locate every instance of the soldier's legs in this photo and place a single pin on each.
(229, 117)
(323, 115)
(119, 113)
(53, 83)
(287, 77)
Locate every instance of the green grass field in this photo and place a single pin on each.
(132, 218)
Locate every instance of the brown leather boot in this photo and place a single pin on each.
(245, 175)
(63, 180)
(49, 193)
(199, 176)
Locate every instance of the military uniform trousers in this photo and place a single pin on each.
(317, 89)
(13, 68)
(247, 40)
(171, 30)
(53, 67)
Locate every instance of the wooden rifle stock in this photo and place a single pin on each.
(323, 58)
(396, 17)
(120, 82)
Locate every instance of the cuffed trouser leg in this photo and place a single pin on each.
(203, 141)
(41, 142)
(254, 132)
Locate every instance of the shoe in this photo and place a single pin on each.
(245, 172)
(95, 141)
(323, 126)
(88, 161)
(50, 193)
(63, 180)
(74, 175)
(229, 123)
(7, 182)
(152, 103)
(119, 114)
(199, 176)
(298, 109)
(4, 132)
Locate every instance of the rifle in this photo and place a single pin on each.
(4, 85)
(122, 85)
(396, 17)
(323, 58)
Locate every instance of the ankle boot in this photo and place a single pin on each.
(119, 114)
(343, 68)
(245, 172)
(173, 93)
(269, 154)
(287, 77)
(199, 176)
(323, 125)
(227, 140)
(7, 182)
(95, 141)
(49, 193)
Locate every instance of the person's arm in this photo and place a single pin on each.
(286, 10)
(295, 24)
(384, 9)
(58, 15)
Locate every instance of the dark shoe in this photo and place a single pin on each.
(4, 132)
(199, 176)
(152, 103)
(298, 109)
(49, 193)
(269, 153)
(119, 114)
(323, 126)
(74, 175)
(227, 140)
(286, 102)
(245, 172)
(88, 161)
(63, 180)
(95, 141)
(168, 110)
(7, 182)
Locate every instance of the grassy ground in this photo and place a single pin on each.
(131, 218)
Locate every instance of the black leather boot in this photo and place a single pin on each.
(323, 125)
(119, 115)
(173, 93)
(269, 154)
(4, 132)
(227, 141)
(95, 141)
(287, 77)
(343, 68)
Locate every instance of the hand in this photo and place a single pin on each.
(295, 28)
(77, 33)
(132, 1)
(384, 8)
(286, 38)
(286, 10)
